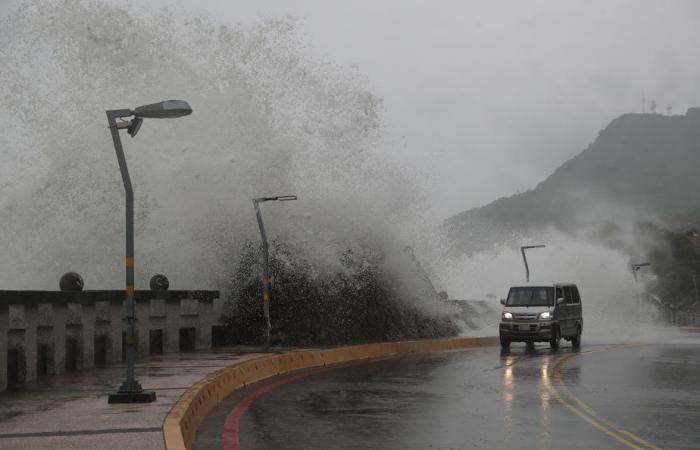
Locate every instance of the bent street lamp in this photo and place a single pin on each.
(527, 268)
(266, 261)
(635, 269)
(131, 391)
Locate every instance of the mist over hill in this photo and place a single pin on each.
(640, 168)
(634, 190)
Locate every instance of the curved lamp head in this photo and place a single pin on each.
(278, 198)
(164, 110)
(638, 266)
(527, 247)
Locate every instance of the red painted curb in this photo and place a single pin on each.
(181, 424)
(230, 433)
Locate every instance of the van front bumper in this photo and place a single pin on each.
(531, 331)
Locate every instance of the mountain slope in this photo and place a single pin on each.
(641, 167)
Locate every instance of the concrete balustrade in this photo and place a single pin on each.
(684, 317)
(36, 325)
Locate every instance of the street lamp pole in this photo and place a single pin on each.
(527, 268)
(635, 269)
(265, 280)
(130, 385)
(131, 391)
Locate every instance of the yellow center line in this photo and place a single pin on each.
(595, 424)
(588, 414)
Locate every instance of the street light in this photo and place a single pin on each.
(635, 269)
(527, 268)
(266, 262)
(131, 391)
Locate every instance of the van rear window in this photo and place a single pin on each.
(530, 296)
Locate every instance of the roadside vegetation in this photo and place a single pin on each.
(312, 305)
(675, 261)
(673, 257)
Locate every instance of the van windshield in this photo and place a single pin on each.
(531, 296)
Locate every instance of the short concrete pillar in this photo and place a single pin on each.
(172, 325)
(87, 320)
(31, 342)
(4, 328)
(143, 325)
(205, 322)
(60, 314)
(116, 327)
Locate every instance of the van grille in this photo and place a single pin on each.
(523, 316)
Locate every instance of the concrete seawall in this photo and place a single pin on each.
(181, 423)
(51, 332)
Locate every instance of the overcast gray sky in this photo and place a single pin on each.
(486, 98)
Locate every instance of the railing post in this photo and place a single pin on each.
(4, 328)
(205, 321)
(60, 313)
(87, 320)
(116, 327)
(143, 325)
(172, 324)
(31, 342)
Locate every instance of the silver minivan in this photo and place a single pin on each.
(541, 312)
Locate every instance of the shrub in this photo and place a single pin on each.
(313, 305)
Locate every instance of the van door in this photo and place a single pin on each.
(576, 310)
(561, 312)
(568, 326)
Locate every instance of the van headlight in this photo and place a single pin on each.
(507, 316)
(545, 316)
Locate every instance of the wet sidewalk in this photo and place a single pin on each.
(71, 411)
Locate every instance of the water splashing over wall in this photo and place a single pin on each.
(608, 290)
(268, 118)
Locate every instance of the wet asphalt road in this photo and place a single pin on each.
(605, 396)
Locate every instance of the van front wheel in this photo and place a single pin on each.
(505, 344)
(554, 341)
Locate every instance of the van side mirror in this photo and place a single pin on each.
(503, 301)
(560, 301)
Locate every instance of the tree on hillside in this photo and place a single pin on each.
(675, 261)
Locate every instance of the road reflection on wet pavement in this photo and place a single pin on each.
(605, 396)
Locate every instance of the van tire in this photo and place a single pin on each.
(576, 340)
(556, 336)
(505, 344)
